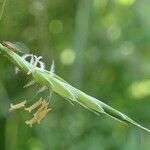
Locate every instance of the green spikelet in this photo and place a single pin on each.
(64, 89)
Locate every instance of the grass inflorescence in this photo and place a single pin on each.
(53, 82)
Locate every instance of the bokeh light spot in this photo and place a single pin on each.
(113, 32)
(109, 19)
(125, 2)
(127, 48)
(67, 56)
(55, 26)
(34, 144)
(140, 89)
(36, 8)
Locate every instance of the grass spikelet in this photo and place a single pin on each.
(64, 89)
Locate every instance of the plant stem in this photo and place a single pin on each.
(2, 7)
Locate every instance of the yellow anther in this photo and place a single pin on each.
(43, 106)
(17, 106)
(35, 105)
(40, 115)
(31, 121)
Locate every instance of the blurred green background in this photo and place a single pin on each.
(99, 46)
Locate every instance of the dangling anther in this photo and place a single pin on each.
(42, 107)
(31, 121)
(17, 106)
(35, 105)
(39, 116)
